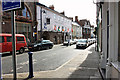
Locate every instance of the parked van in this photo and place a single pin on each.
(6, 43)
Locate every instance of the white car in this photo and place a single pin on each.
(82, 43)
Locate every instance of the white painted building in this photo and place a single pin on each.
(108, 21)
(92, 30)
(77, 30)
(53, 23)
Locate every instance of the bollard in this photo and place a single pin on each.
(0, 66)
(30, 65)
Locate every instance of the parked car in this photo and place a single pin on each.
(82, 43)
(76, 40)
(68, 42)
(89, 41)
(39, 45)
(6, 43)
(94, 40)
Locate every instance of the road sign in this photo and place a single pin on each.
(8, 5)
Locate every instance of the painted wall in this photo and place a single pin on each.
(77, 30)
(56, 21)
(111, 10)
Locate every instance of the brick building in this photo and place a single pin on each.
(86, 27)
(25, 20)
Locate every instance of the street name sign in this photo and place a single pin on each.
(8, 5)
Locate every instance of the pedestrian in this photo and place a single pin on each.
(68, 42)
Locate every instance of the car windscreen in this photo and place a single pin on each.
(45, 41)
(83, 41)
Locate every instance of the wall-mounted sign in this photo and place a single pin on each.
(8, 5)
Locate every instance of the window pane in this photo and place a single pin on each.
(1, 39)
(28, 15)
(9, 39)
(24, 12)
(20, 38)
(48, 20)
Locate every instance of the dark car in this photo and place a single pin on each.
(39, 45)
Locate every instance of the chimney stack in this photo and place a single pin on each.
(63, 13)
(51, 7)
(71, 18)
(76, 18)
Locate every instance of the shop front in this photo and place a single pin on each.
(24, 28)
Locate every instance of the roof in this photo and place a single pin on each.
(82, 22)
(37, 3)
(75, 23)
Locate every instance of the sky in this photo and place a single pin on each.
(84, 9)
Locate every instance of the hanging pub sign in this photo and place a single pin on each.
(8, 5)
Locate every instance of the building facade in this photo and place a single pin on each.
(86, 29)
(108, 43)
(76, 31)
(52, 25)
(92, 30)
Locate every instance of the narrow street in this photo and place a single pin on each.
(42, 60)
(73, 63)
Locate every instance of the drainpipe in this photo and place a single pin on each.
(98, 25)
(97, 28)
(41, 23)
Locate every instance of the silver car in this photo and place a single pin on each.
(82, 43)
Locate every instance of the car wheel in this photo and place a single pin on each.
(50, 47)
(39, 48)
(21, 50)
(76, 47)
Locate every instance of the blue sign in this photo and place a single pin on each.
(11, 4)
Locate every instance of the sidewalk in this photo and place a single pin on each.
(84, 66)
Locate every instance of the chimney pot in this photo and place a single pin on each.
(51, 7)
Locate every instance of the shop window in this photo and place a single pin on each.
(24, 28)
